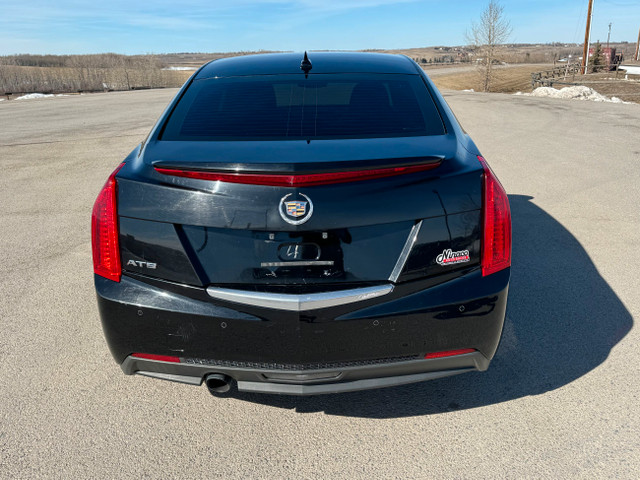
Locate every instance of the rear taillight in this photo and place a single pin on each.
(104, 231)
(298, 179)
(496, 238)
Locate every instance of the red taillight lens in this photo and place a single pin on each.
(297, 180)
(104, 231)
(152, 356)
(450, 353)
(496, 238)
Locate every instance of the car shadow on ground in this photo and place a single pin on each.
(562, 321)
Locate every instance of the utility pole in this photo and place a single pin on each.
(608, 56)
(587, 33)
(638, 47)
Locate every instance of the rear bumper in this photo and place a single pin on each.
(370, 343)
(313, 382)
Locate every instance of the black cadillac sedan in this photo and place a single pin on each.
(303, 224)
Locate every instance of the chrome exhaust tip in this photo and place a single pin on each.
(218, 383)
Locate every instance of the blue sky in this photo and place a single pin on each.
(139, 26)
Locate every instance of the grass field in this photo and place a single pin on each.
(517, 78)
(612, 85)
(507, 80)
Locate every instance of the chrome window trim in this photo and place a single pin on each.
(299, 303)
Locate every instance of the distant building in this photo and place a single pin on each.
(611, 59)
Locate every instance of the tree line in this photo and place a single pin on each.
(77, 73)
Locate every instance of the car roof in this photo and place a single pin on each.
(322, 62)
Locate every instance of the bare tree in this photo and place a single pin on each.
(73, 73)
(486, 36)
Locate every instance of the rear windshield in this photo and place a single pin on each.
(281, 107)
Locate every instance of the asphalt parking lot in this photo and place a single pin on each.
(560, 399)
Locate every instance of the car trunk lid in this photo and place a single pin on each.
(321, 236)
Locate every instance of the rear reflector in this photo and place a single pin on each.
(104, 231)
(496, 238)
(160, 358)
(298, 180)
(450, 353)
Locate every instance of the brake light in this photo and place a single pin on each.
(298, 180)
(450, 353)
(496, 238)
(104, 231)
(160, 358)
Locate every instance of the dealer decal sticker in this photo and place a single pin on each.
(449, 257)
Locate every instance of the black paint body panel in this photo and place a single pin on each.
(243, 256)
(323, 63)
(140, 315)
(157, 243)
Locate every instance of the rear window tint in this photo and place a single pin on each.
(293, 107)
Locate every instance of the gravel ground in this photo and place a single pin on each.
(559, 401)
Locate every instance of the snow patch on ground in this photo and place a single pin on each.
(578, 92)
(180, 68)
(33, 95)
(39, 95)
(469, 90)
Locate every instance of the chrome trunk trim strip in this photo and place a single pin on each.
(299, 303)
(310, 263)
